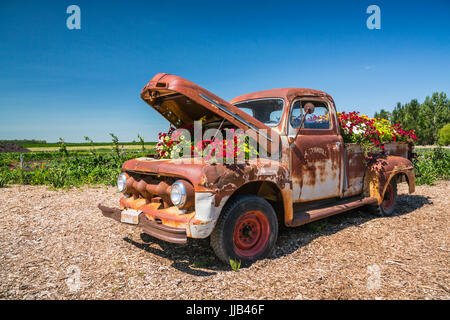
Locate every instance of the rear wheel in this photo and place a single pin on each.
(246, 231)
(387, 207)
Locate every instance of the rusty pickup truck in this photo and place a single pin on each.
(308, 173)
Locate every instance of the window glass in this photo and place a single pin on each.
(268, 111)
(317, 120)
(248, 111)
(296, 114)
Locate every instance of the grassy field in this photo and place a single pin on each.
(84, 147)
(69, 164)
(88, 164)
(77, 144)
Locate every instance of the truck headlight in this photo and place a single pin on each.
(182, 194)
(122, 182)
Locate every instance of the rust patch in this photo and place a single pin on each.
(221, 179)
(355, 168)
(379, 174)
(170, 216)
(234, 176)
(316, 166)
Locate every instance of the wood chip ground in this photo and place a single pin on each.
(57, 245)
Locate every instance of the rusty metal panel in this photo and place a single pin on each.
(309, 215)
(170, 216)
(221, 179)
(400, 149)
(355, 164)
(379, 174)
(149, 181)
(316, 167)
(355, 167)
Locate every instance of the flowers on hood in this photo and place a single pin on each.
(236, 147)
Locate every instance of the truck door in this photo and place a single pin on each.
(316, 155)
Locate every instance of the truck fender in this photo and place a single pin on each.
(378, 175)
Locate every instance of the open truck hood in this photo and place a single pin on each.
(182, 102)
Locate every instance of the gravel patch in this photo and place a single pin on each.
(57, 245)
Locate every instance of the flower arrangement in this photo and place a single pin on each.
(371, 133)
(166, 143)
(236, 149)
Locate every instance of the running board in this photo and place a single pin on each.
(305, 216)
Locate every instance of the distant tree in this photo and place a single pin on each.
(426, 118)
(25, 141)
(410, 117)
(398, 114)
(444, 135)
(435, 113)
(383, 114)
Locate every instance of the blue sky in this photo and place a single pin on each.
(56, 82)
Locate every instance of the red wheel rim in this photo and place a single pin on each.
(251, 234)
(389, 195)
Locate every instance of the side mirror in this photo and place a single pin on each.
(309, 108)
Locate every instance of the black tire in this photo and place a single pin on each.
(228, 236)
(387, 207)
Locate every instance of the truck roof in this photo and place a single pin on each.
(286, 93)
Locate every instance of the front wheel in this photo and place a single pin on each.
(246, 231)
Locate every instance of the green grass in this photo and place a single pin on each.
(432, 165)
(317, 226)
(82, 144)
(4, 178)
(60, 171)
(235, 264)
(102, 166)
(201, 262)
(88, 147)
(75, 165)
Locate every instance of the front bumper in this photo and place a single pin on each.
(152, 228)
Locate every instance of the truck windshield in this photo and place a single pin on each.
(268, 111)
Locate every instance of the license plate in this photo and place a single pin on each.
(130, 216)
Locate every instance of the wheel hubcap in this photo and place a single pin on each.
(251, 234)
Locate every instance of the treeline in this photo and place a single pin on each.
(427, 119)
(25, 141)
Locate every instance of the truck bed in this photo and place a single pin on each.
(354, 166)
